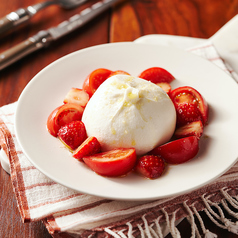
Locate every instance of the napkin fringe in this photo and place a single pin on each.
(223, 214)
(221, 206)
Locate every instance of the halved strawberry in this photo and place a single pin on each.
(112, 163)
(157, 75)
(77, 96)
(178, 151)
(187, 113)
(63, 115)
(90, 146)
(165, 86)
(191, 96)
(192, 129)
(150, 166)
(73, 134)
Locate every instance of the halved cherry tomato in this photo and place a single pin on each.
(95, 79)
(157, 75)
(191, 96)
(112, 163)
(178, 151)
(86, 87)
(90, 146)
(165, 86)
(63, 115)
(118, 72)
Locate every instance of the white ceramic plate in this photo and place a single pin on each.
(47, 89)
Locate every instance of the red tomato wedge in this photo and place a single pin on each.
(157, 75)
(86, 87)
(178, 151)
(95, 79)
(190, 96)
(90, 146)
(118, 72)
(165, 86)
(63, 115)
(113, 163)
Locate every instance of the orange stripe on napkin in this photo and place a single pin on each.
(8, 146)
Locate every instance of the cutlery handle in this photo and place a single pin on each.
(14, 19)
(5, 25)
(24, 48)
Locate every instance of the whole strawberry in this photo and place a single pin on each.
(73, 134)
(186, 113)
(150, 166)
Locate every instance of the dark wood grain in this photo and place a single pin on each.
(124, 22)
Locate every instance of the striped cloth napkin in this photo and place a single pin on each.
(67, 213)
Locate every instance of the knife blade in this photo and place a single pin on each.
(45, 37)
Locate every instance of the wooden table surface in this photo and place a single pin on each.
(123, 22)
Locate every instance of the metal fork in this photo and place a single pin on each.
(22, 15)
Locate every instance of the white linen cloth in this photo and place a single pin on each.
(67, 213)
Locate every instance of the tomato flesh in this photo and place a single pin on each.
(63, 115)
(112, 163)
(157, 75)
(190, 95)
(89, 147)
(97, 77)
(118, 72)
(86, 87)
(178, 151)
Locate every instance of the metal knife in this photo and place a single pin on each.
(45, 37)
(23, 15)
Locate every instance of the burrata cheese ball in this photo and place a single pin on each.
(128, 111)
